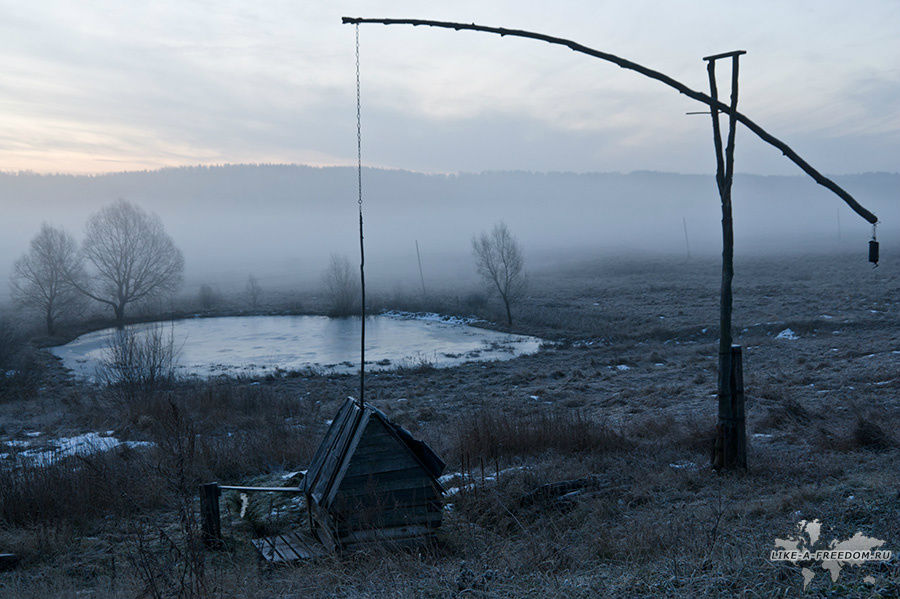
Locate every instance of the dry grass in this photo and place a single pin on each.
(822, 419)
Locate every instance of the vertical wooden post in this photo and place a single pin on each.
(728, 452)
(421, 275)
(210, 519)
(8, 561)
(738, 436)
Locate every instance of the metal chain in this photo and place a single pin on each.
(358, 126)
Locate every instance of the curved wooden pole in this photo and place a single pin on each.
(632, 66)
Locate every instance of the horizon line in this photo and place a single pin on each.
(99, 174)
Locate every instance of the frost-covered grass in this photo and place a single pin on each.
(822, 419)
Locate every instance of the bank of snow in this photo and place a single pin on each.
(32, 452)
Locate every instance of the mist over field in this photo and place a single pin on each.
(282, 222)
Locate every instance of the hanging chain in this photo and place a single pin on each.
(358, 128)
(362, 256)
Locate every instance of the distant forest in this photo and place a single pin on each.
(285, 220)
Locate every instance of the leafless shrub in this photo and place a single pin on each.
(139, 358)
(253, 291)
(341, 287)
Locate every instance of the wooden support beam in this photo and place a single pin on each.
(210, 518)
(725, 55)
(662, 78)
(261, 489)
(725, 454)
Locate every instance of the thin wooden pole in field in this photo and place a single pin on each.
(421, 276)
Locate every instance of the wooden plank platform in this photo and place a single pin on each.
(289, 547)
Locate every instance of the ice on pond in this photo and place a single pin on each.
(260, 345)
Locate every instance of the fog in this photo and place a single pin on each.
(281, 222)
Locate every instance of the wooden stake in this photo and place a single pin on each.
(210, 519)
(421, 276)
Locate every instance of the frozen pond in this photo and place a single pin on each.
(256, 345)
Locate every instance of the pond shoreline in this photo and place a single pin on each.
(74, 331)
(260, 345)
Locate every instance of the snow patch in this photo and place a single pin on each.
(683, 465)
(63, 447)
(431, 317)
(787, 334)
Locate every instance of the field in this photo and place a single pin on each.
(625, 394)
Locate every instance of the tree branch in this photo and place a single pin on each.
(665, 79)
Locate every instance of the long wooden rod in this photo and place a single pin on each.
(627, 64)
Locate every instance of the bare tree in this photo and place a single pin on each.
(133, 257)
(499, 261)
(42, 278)
(341, 285)
(254, 291)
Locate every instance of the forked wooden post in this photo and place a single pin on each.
(730, 445)
(210, 519)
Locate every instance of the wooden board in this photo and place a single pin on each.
(289, 547)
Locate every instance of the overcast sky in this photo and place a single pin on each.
(109, 86)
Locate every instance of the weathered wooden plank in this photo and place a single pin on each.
(361, 464)
(377, 435)
(382, 451)
(323, 526)
(384, 499)
(342, 464)
(260, 489)
(335, 458)
(210, 519)
(373, 512)
(398, 533)
(288, 547)
(381, 484)
(412, 474)
(315, 466)
(387, 519)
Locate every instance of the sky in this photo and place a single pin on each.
(93, 87)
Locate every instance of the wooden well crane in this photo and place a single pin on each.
(730, 445)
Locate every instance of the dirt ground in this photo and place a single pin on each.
(630, 370)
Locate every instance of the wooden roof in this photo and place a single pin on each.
(332, 458)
